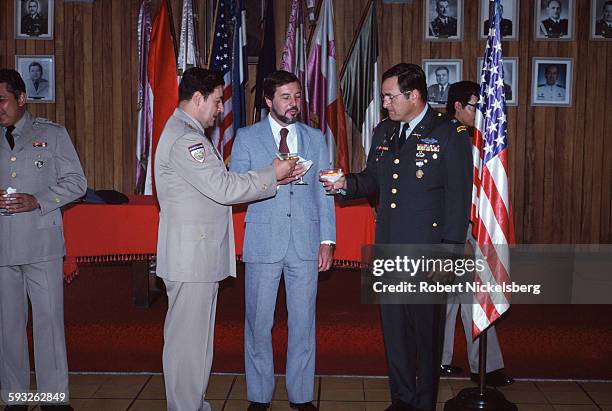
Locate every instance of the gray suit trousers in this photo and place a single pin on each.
(495, 360)
(43, 284)
(188, 343)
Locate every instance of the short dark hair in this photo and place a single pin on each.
(199, 79)
(277, 79)
(461, 91)
(442, 68)
(36, 63)
(556, 1)
(606, 4)
(14, 82)
(409, 77)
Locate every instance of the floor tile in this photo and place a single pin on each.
(520, 386)
(239, 389)
(602, 397)
(342, 389)
(575, 408)
(236, 405)
(121, 386)
(525, 397)
(534, 407)
(341, 406)
(376, 383)
(377, 406)
(149, 405)
(378, 395)
(568, 398)
(154, 389)
(597, 386)
(219, 386)
(100, 404)
(558, 386)
(280, 388)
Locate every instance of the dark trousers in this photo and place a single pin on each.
(413, 335)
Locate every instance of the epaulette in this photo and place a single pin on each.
(454, 121)
(42, 120)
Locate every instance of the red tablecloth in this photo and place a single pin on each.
(107, 233)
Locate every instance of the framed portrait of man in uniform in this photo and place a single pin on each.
(38, 73)
(509, 19)
(510, 78)
(440, 74)
(551, 83)
(601, 19)
(554, 19)
(443, 20)
(34, 19)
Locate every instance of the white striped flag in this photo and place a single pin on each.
(360, 82)
(145, 104)
(221, 60)
(294, 53)
(239, 67)
(325, 105)
(188, 55)
(492, 225)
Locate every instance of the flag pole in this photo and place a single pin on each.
(172, 31)
(364, 15)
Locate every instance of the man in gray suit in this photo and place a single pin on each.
(195, 248)
(292, 233)
(39, 173)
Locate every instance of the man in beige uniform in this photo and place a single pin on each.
(38, 160)
(195, 248)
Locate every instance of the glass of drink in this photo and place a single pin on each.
(332, 175)
(292, 156)
(9, 192)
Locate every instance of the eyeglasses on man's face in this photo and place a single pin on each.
(388, 98)
(473, 105)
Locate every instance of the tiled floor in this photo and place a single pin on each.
(140, 392)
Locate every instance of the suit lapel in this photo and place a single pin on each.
(267, 138)
(303, 141)
(26, 134)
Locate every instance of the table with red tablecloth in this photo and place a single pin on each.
(102, 233)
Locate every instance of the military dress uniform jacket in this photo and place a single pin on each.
(602, 29)
(551, 28)
(424, 188)
(34, 25)
(195, 190)
(437, 27)
(45, 164)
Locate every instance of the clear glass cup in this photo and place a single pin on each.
(292, 156)
(332, 175)
(9, 192)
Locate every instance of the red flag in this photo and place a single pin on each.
(162, 73)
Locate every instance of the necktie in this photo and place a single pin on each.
(282, 146)
(404, 134)
(9, 136)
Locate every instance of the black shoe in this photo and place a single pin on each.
(258, 406)
(16, 408)
(450, 370)
(304, 406)
(399, 405)
(494, 379)
(56, 407)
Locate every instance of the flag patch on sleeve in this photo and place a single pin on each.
(197, 152)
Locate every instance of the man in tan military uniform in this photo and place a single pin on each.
(40, 166)
(195, 247)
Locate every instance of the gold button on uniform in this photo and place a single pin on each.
(13, 158)
(395, 176)
(394, 190)
(434, 225)
(396, 161)
(13, 174)
(393, 205)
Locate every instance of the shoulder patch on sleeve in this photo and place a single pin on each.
(461, 128)
(197, 152)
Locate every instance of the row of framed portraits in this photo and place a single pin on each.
(38, 74)
(554, 19)
(551, 80)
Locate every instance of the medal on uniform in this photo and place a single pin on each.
(420, 163)
(39, 163)
(39, 144)
(419, 174)
(420, 154)
(434, 156)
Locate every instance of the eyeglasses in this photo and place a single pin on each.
(474, 106)
(389, 98)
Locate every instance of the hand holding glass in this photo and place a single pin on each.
(8, 193)
(332, 175)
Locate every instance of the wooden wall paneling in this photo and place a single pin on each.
(116, 163)
(88, 65)
(606, 171)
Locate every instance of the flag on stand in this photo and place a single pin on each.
(188, 55)
(145, 107)
(360, 83)
(492, 225)
(221, 60)
(266, 62)
(294, 53)
(326, 108)
(161, 70)
(240, 66)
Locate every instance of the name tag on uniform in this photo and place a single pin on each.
(197, 152)
(428, 147)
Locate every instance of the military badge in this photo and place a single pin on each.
(461, 128)
(39, 163)
(381, 149)
(428, 147)
(39, 144)
(197, 152)
(429, 140)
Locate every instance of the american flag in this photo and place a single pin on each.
(221, 60)
(492, 228)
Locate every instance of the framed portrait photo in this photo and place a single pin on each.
(551, 83)
(34, 19)
(509, 21)
(601, 19)
(554, 19)
(440, 74)
(443, 20)
(38, 73)
(510, 78)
